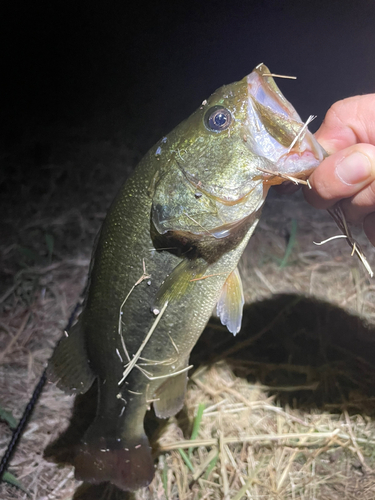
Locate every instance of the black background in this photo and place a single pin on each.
(145, 66)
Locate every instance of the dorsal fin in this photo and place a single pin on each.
(231, 301)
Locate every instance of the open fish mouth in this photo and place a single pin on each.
(275, 129)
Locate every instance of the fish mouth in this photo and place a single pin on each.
(275, 131)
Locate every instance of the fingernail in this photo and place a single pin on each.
(354, 168)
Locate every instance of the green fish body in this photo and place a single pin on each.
(167, 253)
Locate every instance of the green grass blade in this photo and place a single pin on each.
(186, 459)
(10, 479)
(197, 424)
(291, 243)
(50, 244)
(211, 466)
(7, 417)
(197, 421)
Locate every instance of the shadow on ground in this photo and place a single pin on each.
(312, 355)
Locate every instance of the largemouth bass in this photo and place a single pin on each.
(166, 255)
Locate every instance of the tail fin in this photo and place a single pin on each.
(104, 491)
(126, 464)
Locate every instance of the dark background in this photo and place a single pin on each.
(144, 66)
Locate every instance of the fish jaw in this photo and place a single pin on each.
(275, 131)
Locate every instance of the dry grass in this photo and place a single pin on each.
(29, 332)
(263, 450)
(288, 405)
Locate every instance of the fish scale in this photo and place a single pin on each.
(183, 220)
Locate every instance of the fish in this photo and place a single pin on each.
(166, 255)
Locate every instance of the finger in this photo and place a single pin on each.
(369, 227)
(342, 175)
(348, 122)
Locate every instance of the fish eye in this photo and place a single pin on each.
(217, 119)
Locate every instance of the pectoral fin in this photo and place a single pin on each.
(177, 283)
(69, 366)
(230, 303)
(170, 395)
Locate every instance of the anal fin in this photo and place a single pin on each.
(170, 395)
(69, 366)
(231, 301)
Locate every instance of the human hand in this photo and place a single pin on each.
(348, 174)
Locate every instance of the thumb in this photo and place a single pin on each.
(343, 175)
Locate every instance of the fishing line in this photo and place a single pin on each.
(17, 433)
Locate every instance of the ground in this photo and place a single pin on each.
(285, 410)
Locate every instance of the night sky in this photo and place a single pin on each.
(148, 65)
